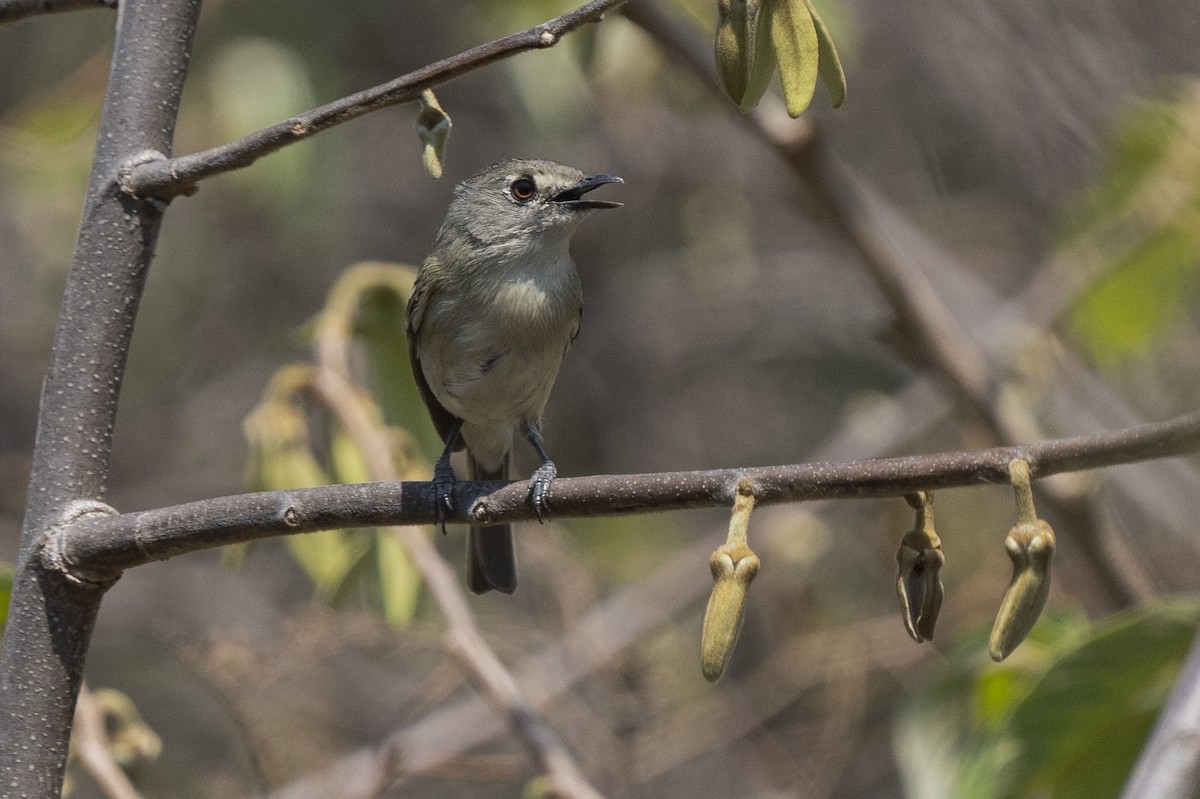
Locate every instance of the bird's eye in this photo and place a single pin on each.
(523, 189)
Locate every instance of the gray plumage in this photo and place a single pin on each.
(493, 311)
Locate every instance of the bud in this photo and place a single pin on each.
(1030, 545)
(919, 572)
(733, 568)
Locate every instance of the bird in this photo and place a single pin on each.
(493, 311)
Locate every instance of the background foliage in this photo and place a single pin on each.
(1052, 145)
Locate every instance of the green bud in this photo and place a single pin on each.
(1031, 547)
(733, 568)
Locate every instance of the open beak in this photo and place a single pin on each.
(572, 197)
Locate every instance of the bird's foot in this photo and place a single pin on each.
(539, 489)
(443, 489)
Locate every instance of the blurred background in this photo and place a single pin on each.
(1039, 163)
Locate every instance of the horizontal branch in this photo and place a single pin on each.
(13, 10)
(97, 548)
(168, 177)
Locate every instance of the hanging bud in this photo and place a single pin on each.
(733, 567)
(433, 126)
(918, 577)
(1030, 545)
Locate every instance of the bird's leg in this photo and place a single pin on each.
(543, 476)
(443, 477)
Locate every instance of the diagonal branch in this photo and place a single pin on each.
(465, 641)
(928, 325)
(13, 10)
(168, 177)
(96, 549)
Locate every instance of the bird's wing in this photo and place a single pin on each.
(418, 301)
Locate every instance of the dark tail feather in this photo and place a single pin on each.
(491, 561)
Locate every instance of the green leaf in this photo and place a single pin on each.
(328, 557)
(6, 583)
(1135, 234)
(1065, 716)
(1080, 728)
(399, 580)
(829, 63)
(760, 52)
(1124, 312)
(794, 35)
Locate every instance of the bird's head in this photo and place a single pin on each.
(523, 202)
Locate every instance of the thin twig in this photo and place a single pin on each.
(92, 746)
(96, 548)
(168, 177)
(464, 639)
(13, 10)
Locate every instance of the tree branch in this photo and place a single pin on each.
(98, 548)
(50, 617)
(13, 10)
(168, 177)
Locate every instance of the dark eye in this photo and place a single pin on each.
(523, 189)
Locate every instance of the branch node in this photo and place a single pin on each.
(480, 512)
(125, 172)
(55, 559)
(290, 517)
(299, 127)
(547, 38)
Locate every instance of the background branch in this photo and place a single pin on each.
(95, 754)
(167, 177)
(13, 10)
(931, 332)
(463, 636)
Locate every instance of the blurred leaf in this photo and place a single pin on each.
(399, 580)
(1135, 235)
(1065, 716)
(349, 463)
(1081, 727)
(369, 301)
(280, 458)
(7, 572)
(254, 82)
(1125, 311)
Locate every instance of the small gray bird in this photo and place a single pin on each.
(492, 313)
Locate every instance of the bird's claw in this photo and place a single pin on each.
(443, 489)
(539, 489)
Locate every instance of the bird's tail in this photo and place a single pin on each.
(491, 560)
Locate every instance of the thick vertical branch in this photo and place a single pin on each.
(50, 618)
